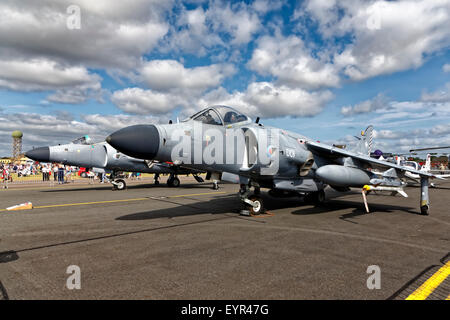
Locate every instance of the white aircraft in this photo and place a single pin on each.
(415, 178)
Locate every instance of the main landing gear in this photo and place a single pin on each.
(173, 181)
(317, 197)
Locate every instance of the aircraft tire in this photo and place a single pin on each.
(175, 182)
(259, 209)
(120, 184)
(316, 198)
(424, 210)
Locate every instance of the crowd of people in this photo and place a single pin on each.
(53, 172)
(50, 172)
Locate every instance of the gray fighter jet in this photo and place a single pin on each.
(226, 143)
(101, 157)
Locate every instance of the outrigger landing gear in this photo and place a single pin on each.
(156, 179)
(424, 197)
(215, 185)
(254, 204)
(173, 181)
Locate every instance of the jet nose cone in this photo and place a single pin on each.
(140, 141)
(39, 154)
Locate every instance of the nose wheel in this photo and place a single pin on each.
(119, 184)
(254, 204)
(257, 206)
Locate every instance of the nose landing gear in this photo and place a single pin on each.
(254, 204)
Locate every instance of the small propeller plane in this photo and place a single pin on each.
(230, 146)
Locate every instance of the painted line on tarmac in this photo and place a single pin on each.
(116, 201)
(431, 284)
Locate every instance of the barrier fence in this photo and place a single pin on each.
(72, 178)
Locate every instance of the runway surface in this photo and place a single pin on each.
(156, 242)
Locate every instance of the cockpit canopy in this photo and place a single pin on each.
(220, 115)
(86, 140)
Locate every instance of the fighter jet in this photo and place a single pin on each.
(101, 157)
(228, 144)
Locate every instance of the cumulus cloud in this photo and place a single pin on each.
(221, 25)
(288, 59)
(271, 101)
(165, 75)
(112, 34)
(377, 103)
(73, 84)
(140, 101)
(170, 85)
(386, 36)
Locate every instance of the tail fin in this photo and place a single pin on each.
(365, 142)
(427, 166)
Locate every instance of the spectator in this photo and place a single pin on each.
(61, 174)
(55, 172)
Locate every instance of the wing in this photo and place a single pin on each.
(327, 151)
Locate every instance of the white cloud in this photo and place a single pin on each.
(73, 84)
(113, 34)
(221, 25)
(288, 59)
(140, 101)
(386, 36)
(267, 100)
(165, 75)
(377, 103)
(442, 95)
(446, 67)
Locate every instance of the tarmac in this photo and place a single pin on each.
(157, 242)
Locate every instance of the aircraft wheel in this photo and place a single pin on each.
(316, 198)
(156, 182)
(424, 210)
(215, 186)
(120, 184)
(175, 182)
(169, 182)
(259, 205)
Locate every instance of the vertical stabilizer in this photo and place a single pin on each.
(365, 142)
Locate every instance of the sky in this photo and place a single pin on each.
(323, 68)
